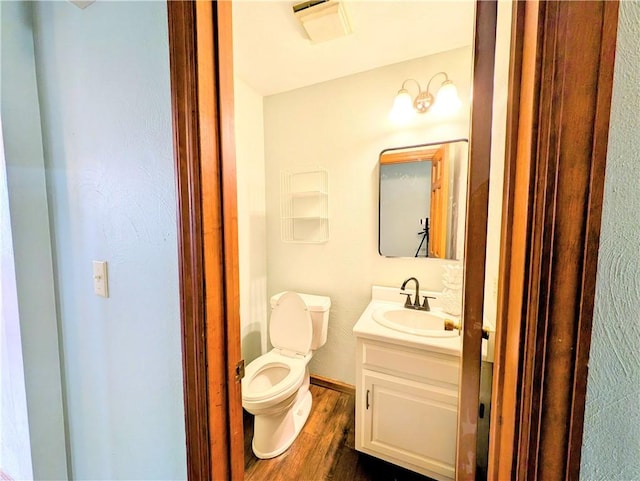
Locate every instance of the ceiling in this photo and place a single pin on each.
(272, 53)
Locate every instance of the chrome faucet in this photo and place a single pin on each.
(416, 303)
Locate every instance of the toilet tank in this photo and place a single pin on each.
(319, 311)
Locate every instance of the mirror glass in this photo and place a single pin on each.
(422, 200)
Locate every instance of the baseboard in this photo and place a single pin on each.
(332, 384)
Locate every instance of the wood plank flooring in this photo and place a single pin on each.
(324, 450)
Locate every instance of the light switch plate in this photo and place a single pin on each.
(100, 279)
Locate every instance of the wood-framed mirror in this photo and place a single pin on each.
(217, 399)
(423, 187)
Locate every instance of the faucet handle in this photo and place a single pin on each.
(407, 303)
(425, 302)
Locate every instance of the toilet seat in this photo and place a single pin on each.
(290, 327)
(276, 385)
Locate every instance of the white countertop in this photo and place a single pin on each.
(368, 328)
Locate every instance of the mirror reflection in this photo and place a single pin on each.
(422, 200)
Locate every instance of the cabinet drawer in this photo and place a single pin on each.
(410, 363)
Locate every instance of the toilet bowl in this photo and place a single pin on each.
(275, 388)
(271, 382)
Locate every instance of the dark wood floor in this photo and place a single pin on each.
(324, 450)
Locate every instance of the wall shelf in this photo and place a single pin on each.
(304, 206)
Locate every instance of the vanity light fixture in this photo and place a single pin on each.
(446, 99)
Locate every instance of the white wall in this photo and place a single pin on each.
(612, 416)
(342, 126)
(31, 240)
(15, 445)
(251, 219)
(103, 78)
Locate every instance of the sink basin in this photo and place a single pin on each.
(420, 323)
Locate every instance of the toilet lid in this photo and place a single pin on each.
(290, 327)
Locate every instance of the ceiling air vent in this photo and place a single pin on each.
(323, 19)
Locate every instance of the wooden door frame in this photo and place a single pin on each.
(475, 238)
(537, 425)
(561, 81)
(200, 49)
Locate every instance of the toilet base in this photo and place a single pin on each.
(273, 434)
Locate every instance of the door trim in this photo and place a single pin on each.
(184, 101)
(475, 242)
(556, 159)
(202, 105)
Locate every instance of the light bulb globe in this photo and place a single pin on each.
(447, 100)
(402, 110)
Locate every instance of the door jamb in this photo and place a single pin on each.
(202, 105)
(554, 180)
(486, 18)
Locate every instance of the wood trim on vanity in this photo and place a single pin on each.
(476, 237)
(554, 192)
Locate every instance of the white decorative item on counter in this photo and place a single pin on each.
(452, 293)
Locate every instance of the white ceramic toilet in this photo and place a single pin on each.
(275, 387)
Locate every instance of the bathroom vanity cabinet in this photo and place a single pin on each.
(406, 405)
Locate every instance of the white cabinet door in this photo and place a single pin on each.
(410, 421)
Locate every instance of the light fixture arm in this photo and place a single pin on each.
(446, 79)
(424, 99)
(411, 80)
